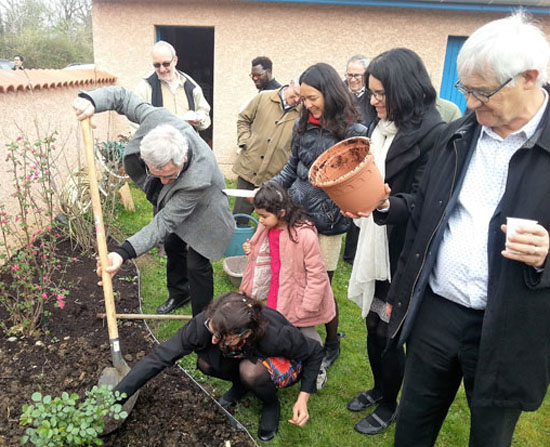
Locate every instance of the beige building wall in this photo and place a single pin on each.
(36, 114)
(294, 36)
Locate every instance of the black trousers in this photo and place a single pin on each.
(187, 271)
(442, 350)
(387, 363)
(242, 205)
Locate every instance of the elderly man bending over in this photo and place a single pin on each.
(177, 171)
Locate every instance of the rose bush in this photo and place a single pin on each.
(31, 271)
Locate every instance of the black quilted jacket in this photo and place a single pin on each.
(318, 205)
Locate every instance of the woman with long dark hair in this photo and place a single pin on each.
(328, 116)
(402, 137)
(254, 347)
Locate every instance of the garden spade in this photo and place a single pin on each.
(110, 375)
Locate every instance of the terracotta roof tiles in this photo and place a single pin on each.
(21, 80)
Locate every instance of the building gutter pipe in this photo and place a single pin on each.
(421, 5)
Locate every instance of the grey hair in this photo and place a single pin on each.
(162, 45)
(162, 145)
(505, 48)
(358, 58)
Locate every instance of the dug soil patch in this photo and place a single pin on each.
(73, 348)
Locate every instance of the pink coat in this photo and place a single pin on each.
(305, 296)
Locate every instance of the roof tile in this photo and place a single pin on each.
(21, 80)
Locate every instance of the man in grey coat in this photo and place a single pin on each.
(179, 174)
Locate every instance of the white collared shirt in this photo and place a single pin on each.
(359, 93)
(460, 273)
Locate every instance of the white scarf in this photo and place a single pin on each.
(372, 258)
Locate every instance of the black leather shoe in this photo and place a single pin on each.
(171, 304)
(269, 422)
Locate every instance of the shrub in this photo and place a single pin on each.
(62, 422)
(29, 266)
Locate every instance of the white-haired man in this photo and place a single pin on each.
(170, 88)
(179, 174)
(471, 304)
(264, 133)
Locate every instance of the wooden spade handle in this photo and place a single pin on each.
(149, 317)
(100, 234)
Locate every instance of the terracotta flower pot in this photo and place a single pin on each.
(348, 174)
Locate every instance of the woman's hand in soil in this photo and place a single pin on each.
(84, 109)
(115, 262)
(300, 414)
(247, 247)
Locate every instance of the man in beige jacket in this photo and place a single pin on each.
(264, 133)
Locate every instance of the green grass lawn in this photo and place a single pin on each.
(331, 424)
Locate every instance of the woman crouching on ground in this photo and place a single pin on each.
(254, 347)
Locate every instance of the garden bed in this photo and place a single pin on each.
(72, 349)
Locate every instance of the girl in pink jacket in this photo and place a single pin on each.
(285, 266)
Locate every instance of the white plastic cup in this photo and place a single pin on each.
(512, 223)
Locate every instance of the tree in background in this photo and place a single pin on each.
(48, 33)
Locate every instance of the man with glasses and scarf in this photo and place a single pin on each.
(179, 174)
(170, 88)
(472, 303)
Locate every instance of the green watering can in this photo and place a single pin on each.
(241, 234)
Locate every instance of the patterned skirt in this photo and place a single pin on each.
(283, 372)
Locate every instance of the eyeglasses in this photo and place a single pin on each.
(164, 64)
(378, 96)
(163, 177)
(354, 76)
(228, 339)
(479, 95)
(234, 339)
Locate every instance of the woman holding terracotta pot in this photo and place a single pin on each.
(402, 137)
(328, 116)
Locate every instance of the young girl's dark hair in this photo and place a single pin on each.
(273, 198)
(339, 110)
(233, 313)
(407, 85)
